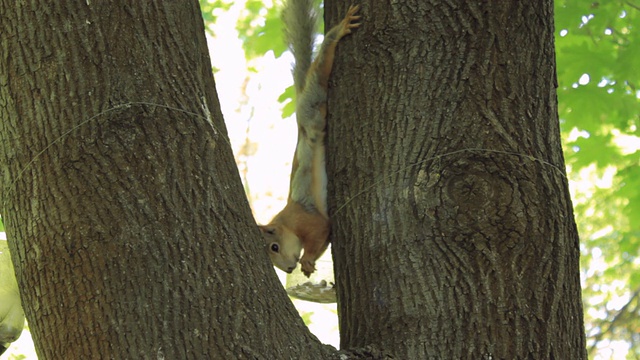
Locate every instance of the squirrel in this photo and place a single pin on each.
(304, 222)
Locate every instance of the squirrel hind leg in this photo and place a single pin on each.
(313, 250)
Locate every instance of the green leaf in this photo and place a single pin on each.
(261, 30)
(288, 98)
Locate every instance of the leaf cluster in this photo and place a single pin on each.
(598, 52)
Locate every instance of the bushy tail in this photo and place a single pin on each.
(300, 19)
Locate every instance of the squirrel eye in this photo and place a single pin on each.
(275, 248)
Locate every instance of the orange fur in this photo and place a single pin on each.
(304, 222)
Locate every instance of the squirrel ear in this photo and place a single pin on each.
(267, 229)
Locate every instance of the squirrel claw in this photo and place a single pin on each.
(346, 23)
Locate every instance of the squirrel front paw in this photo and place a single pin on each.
(308, 266)
(346, 24)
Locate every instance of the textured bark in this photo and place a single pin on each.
(453, 230)
(128, 223)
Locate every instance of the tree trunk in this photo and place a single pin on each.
(125, 213)
(453, 230)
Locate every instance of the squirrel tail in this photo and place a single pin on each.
(300, 19)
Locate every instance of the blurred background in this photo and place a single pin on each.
(598, 67)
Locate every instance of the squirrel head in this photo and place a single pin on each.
(283, 246)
